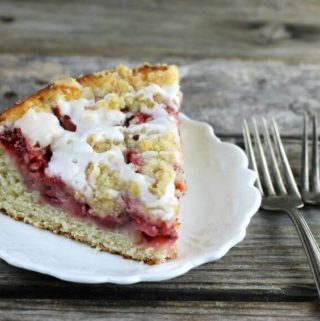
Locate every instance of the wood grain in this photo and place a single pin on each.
(247, 29)
(269, 265)
(216, 91)
(264, 277)
(51, 310)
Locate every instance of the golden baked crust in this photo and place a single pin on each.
(152, 259)
(116, 81)
(96, 84)
(20, 204)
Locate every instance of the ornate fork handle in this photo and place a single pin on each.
(278, 186)
(309, 243)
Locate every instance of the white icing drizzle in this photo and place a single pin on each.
(44, 134)
(71, 153)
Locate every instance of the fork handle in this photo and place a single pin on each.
(309, 243)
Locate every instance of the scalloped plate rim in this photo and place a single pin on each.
(171, 273)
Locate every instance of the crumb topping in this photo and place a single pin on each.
(123, 137)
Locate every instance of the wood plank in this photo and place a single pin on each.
(217, 91)
(15, 310)
(264, 277)
(268, 265)
(249, 29)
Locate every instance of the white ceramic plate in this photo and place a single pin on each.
(215, 213)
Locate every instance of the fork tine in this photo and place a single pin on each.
(264, 165)
(282, 154)
(274, 161)
(250, 153)
(305, 156)
(315, 157)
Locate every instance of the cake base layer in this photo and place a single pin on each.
(21, 204)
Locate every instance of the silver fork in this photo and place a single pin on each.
(310, 192)
(278, 187)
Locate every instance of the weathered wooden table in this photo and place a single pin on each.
(266, 277)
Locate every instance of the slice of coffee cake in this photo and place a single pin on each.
(98, 159)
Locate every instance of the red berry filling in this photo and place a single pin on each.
(132, 156)
(140, 118)
(64, 120)
(172, 112)
(150, 230)
(137, 118)
(180, 186)
(32, 162)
